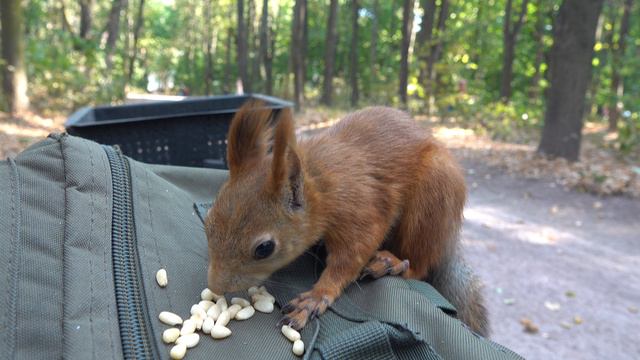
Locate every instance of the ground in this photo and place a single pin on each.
(561, 266)
(566, 263)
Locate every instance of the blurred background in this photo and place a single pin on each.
(539, 99)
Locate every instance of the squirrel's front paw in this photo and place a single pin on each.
(385, 263)
(304, 307)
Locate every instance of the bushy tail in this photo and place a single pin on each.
(456, 281)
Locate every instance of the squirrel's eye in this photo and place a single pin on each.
(264, 249)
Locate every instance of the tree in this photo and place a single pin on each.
(407, 25)
(570, 71)
(298, 51)
(242, 48)
(266, 50)
(353, 53)
(136, 35)
(430, 45)
(538, 34)
(209, 39)
(424, 37)
(85, 18)
(373, 51)
(113, 30)
(13, 66)
(617, 53)
(330, 46)
(510, 37)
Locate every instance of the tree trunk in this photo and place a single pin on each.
(353, 53)
(13, 68)
(113, 29)
(424, 38)
(373, 51)
(617, 54)
(85, 18)
(208, 29)
(266, 51)
(407, 25)
(539, 41)
(331, 44)
(136, 35)
(435, 53)
(242, 51)
(570, 67)
(510, 37)
(254, 56)
(298, 45)
(228, 68)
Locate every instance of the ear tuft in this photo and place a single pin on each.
(248, 136)
(284, 142)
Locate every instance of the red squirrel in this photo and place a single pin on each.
(385, 196)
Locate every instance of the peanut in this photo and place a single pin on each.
(207, 294)
(214, 312)
(298, 347)
(178, 352)
(189, 340)
(263, 305)
(170, 318)
(290, 333)
(208, 325)
(233, 310)
(206, 304)
(199, 311)
(253, 290)
(188, 327)
(222, 304)
(161, 277)
(170, 335)
(220, 332)
(261, 296)
(223, 319)
(240, 301)
(245, 313)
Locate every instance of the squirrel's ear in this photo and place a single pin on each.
(286, 168)
(248, 136)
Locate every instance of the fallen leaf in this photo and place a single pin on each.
(566, 325)
(553, 306)
(529, 326)
(570, 294)
(577, 320)
(509, 301)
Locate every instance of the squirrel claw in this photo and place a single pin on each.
(288, 308)
(385, 263)
(307, 306)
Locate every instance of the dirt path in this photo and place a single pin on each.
(534, 243)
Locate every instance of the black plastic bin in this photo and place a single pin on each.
(190, 132)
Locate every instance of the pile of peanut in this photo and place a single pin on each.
(212, 315)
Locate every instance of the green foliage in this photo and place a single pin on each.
(68, 71)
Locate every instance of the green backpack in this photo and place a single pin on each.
(84, 230)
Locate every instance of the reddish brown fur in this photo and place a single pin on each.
(375, 175)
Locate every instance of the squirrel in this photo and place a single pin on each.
(383, 194)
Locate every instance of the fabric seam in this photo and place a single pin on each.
(14, 263)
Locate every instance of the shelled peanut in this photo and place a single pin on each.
(212, 316)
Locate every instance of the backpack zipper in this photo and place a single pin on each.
(133, 317)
